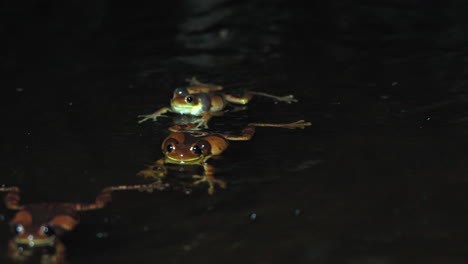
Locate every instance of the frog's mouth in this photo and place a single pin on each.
(35, 242)
(187, 109)
(188, 161)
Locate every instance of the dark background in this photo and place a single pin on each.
(380, 177)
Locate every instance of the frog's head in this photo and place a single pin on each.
(185, 103)
(183, 148)
(32, 232)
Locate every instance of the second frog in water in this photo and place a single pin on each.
(196, 148)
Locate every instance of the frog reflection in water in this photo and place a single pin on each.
(185, 147)
(206, 100)
(38, 227)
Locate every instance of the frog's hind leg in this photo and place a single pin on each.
(301, 124)
(248, 132)
(287, 98)
(101, 200)
(250, 94)
(237, 108)
(105, 196)
(197, 87)
(139, 187)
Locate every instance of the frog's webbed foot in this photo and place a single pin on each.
(287, 99)
(144, 118)
(203, 122)
(154, 116)
(298, 124)
(212, 181)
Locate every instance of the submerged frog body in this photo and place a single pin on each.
(206, 101)
(184, 147)
(40, 226)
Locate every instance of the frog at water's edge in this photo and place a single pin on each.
(185, 147)
(206, 101)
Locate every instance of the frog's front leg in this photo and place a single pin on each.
(156, 171)
(154, 116)
(208, 176)
(203, 121)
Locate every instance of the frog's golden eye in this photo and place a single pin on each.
(171, 142)
(169, 148)
(189, 99)
(196, 149)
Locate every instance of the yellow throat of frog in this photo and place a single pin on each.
(34, 238)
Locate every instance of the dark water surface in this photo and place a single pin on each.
(380, 177)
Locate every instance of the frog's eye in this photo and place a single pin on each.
(170, 148)
(18, 228)
(197, 150)
(47, 230)
(189, 99)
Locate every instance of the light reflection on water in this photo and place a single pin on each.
(379, 177)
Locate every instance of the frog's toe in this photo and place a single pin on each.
(289, 99)
(201, 124)
(211, 182)
(151, 173)
(302, 124)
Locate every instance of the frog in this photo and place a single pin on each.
(206, 101)
(184, 146)
(39, 226)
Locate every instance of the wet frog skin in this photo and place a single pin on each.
(206, 101)
(186, 147)
(39, 226)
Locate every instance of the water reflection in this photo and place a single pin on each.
(384, 82)
(188, 147)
